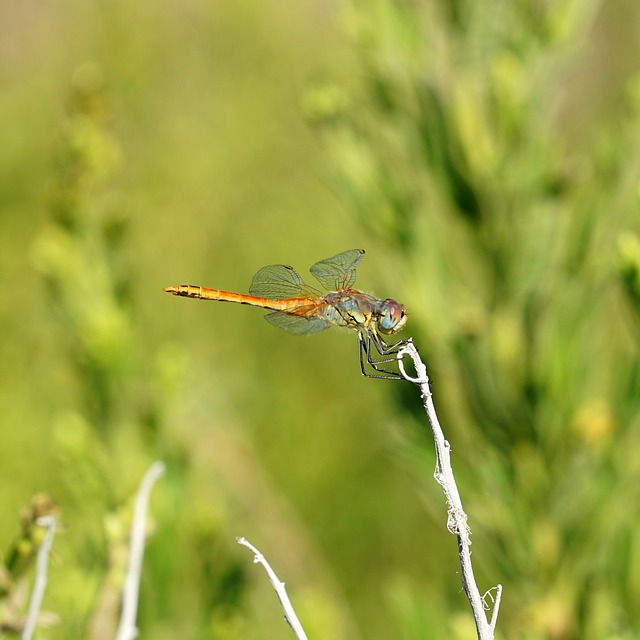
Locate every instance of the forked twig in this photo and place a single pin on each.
(289, 613)
(127, 627)
(456, 517)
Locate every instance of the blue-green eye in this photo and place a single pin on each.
(392, 318)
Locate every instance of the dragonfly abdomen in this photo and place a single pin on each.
(204, 293)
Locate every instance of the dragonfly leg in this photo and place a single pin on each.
(383, 348)
(389, 355)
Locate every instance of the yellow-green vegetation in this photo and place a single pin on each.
(486, 155)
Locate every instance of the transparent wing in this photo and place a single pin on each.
(280, 282)
(338, 272)
(298, 325)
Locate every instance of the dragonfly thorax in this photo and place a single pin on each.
(363, 312)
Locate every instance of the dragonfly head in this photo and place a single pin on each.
(392, 317)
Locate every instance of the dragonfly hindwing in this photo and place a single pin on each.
(297, 325)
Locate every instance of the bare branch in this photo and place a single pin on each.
(127, 627)
(40, 583)
(496, 604)
(289, 613)
(456, 517)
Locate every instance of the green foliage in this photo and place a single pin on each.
(486, 157)
(514, 203)
(104, 445)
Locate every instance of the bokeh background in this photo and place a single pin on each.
(485, 154)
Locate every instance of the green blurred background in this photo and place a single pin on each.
(485, 154)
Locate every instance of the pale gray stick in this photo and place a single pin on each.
(40, 583)
(289, 613)
(456, 517)
(127, 627)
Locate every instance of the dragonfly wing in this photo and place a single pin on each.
(298, 325)
(338, 272)
(280, 282)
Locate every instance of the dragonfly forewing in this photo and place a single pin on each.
(338, 272)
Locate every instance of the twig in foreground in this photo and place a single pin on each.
(40, 583)
(289, 613)
(456, 517)
(127, 627)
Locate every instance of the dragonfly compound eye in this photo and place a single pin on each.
(392, 318)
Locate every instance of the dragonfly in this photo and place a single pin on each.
(301, 309)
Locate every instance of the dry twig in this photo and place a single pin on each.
(289, 613)
(456, 517)
(127, 628)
